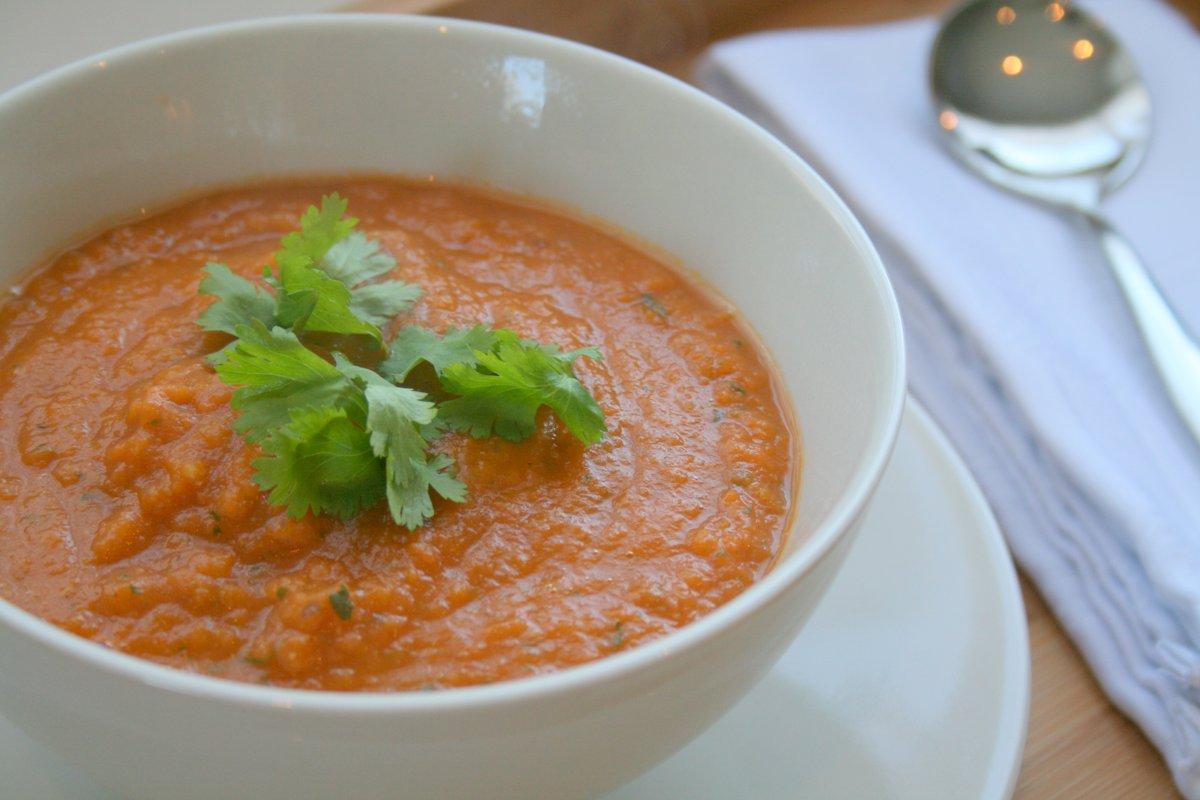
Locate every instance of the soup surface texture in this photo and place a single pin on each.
(129, 516)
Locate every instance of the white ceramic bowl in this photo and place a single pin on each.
(144, 124)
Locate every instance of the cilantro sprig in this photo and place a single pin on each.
(504, 387)
(321, 284)
(337, 436)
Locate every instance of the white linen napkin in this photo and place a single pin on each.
(1019, 341)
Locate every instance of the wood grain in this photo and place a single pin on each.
(1079, 745)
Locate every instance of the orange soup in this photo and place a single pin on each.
(129, 514)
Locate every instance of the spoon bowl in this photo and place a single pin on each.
(1040, 98)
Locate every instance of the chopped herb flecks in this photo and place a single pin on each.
(651, 302)
(343, 606)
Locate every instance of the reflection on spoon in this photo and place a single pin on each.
(1039, 98)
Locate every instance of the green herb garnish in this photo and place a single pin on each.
(652, 303)
(414, 345)
(343, 606)
(339, 436)
(506, 386)
(260, 661)
(319, 284)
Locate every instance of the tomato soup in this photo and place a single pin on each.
(129, 514)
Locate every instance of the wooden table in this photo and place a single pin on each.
(1079, 745)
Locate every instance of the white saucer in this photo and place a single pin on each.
(911, 680)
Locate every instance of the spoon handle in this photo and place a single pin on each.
(1172, 348)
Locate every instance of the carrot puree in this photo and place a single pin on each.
(128, 513)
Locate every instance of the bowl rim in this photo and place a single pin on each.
(835, 524)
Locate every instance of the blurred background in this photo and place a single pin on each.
(665, 33)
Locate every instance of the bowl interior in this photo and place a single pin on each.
(148, 123)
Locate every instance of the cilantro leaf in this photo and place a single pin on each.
(438, 473)
(504, 390)
(356, 259)
(239, 302)
(415, 344)
(569, 356)
(395, 415)
(320, 461)
(320, 269)
(320, 229)
(313, 301)
(401, 421)
(413, 497)
(275, 373)
(310, 299)
(378, 303)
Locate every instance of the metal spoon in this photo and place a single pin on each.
(1040, 99)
